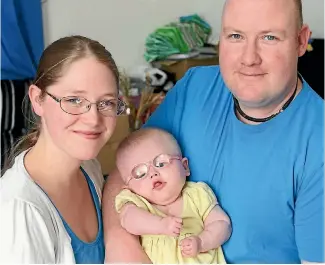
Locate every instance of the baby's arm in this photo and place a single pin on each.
(217, 230)
(138, 221)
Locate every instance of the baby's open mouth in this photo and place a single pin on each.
(158, 185)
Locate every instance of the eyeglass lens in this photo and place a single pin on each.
(141, 170)
(78, 105)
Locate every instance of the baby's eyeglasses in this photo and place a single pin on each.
(161, 161)
(75, 105)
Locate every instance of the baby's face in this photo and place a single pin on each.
(155, 171)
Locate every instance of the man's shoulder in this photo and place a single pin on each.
(307, 128)
(205, 73)
(313, 109)
(202, 81)
(206, 69)
(316, 100)
(313, 95)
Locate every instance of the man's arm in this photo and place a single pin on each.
(217, 230)
(116, 238)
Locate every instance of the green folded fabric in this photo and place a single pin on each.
(177, 37)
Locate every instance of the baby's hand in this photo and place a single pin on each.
(190, 246)
(171, 225)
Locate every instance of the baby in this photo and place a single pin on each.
(178, 221)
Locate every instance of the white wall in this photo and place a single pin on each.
(313, 13)
(122, 25)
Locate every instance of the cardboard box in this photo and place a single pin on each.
(179, 67)
(106, 156)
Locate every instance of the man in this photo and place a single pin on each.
(253, 130)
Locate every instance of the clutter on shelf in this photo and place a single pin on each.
(183, 37)
(178, 46)
(310, 46)
(143, 90)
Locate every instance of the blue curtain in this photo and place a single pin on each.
(21, 38)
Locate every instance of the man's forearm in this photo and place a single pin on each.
(116, 238)
(214, 235)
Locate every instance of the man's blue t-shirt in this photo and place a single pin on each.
(269, 178)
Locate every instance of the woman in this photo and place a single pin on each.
(50, 197)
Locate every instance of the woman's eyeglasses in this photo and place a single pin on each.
(78, 105)
(161, 161)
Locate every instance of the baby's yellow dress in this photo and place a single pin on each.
(198, 200)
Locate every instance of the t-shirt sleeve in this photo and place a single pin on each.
(24, 235)
(127, 196)
(203, 197)
(309, 217)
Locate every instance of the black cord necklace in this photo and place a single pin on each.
(243, 114)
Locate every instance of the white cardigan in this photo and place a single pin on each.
(31, 230)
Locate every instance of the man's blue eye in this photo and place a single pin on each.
(235, 36)
(269, 37)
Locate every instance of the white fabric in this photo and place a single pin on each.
(31, 230)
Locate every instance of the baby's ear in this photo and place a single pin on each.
(186, 166)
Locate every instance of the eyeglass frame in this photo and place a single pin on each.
(59, 100)
(151, 163)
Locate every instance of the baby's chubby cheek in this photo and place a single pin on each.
(142, 189)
